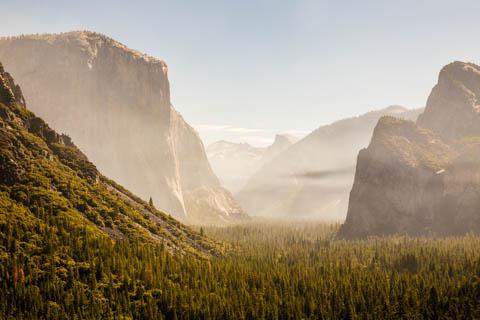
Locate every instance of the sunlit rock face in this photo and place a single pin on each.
(453, 108)
(115, 103)
(313, 177)
(423, 178)
(398, 180)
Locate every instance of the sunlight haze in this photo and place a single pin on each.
(269, 67)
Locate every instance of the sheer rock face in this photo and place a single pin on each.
(413, 180)
(40, 169)
(115, 103)
(312, 178)
(453, 108)
(398, 181)
(459, 210)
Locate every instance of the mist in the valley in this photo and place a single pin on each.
(318, 176)
(311, 178)
(287, 160)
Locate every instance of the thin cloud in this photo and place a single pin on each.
(297, 132)
(246, 130)
(207, 127)
(229, 128)
(257, 140)
(322, 174)
(226, 128)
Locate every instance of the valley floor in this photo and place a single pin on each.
(269, 271)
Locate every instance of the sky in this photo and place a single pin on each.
(246, 70)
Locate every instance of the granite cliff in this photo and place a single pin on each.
(312, 178)
(49, 188)
(423, 178)
(453, 107)
(115, 103)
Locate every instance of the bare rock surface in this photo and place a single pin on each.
(115, 103)
(453, 107)
(312, 178)
(423, 178)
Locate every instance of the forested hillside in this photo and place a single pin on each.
(114, 102)
(75, 245)
(48, 185)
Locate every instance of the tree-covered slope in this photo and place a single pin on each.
(114, 102)
(46, 182)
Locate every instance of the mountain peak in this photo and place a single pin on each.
(453, 107)
(281, 142)
(285, 138)
(458, 70)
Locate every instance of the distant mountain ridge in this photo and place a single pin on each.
(234, 163)
(423, 178)
(312, 178)
(115, 103)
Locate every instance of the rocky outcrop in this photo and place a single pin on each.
(281, 143)
(312, 178)
(398, 181)
(235, 163)
(115, 103)
(453, 107)
(9, 91)
(424, 178)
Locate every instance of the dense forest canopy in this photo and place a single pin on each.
(273, 271)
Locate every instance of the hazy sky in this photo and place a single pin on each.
(245, 70)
